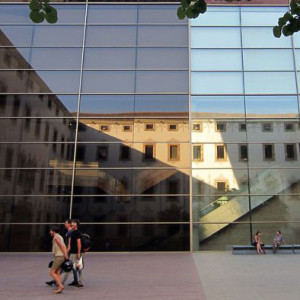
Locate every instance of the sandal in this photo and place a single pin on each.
(59, 291)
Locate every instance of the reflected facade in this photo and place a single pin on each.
(158, 134)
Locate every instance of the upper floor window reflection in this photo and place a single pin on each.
(269, 152)
(16, 106)
(267, 127)
(242, 127)
(220, 127)
(221, 152)
(104, 127)
(149, 127)
(173, 152)
(243, 152)
(3, 102)
(102, 153)
(125, 153)
(172, 127)
(197, 127)
(198, 152)
(127, 128)
(289, 127)
(290, 152)
(149, 152)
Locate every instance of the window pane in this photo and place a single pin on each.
(116, 14)
(269, 106)
(217, 83)
(55, 58)
(263, 38)
(215, 37)
(270, 83)
(163, 36)
(160, 58)
(274, 59)
(162, 81)
(14, 58)
(206, 60)
(16, 35)
(261, 16)
(108, 82)
(106, 104)
(159, 14)
(109, 58)
(111, 36)
(218, 16)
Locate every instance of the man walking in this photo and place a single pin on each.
(76, 254)
(60, 254)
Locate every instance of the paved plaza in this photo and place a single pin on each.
(176, 276)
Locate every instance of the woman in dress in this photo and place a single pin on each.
(258, 244)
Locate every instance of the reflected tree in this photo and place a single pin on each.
(41, 10)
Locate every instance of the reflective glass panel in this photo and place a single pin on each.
(271, 106)
(261, 16)
(263, 38)
(33, 209)
(213, 59)
(270, 83)
(38, 155)
(131, 209)
(217, 83)
(109, 58)
(159, 14)
(36, 130)
(215, 37)
(28, 182)
(275, 59)
(162, 81)
(218, 16)
(160, 58)
(111, 36)
(16, 35)
(12, 58)
(100, 105)
(170, 36)
(112, 14)
(108, 81)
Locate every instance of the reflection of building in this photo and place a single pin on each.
(96, 123)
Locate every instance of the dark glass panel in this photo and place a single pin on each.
(112, 14)
(131, 209)
(109, 58)
(32, 209)
(139, 237)
(20, 81)
(106, 105)
(161, 103)
(61, 105)
(36, 155)
(106, 129)
(36, 130)
(18, 14)
(35, 181)
(108, 81)
(220, 236)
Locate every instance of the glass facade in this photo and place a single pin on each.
(158, 134)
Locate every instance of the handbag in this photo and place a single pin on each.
(50, 264)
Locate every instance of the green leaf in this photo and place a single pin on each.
(51, 17)
(48, 8)
(277, 31)
(35, 5)
(201, 6)
(286, 30)
(37, 16)
(185, 3)
(180, 13)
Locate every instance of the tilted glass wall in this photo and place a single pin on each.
(245, 127)
(94, 125)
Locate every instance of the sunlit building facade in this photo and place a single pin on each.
(158, 134)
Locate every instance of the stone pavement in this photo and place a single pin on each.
(158, 276)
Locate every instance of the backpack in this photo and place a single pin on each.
(86, 242)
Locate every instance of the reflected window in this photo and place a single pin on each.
(47, 131)
(220, 127)
(16, 106)
(149, 152)
(243, 152)
(125, 153)
(127, 128)
(173, 187)
(9, 155)
(149, 127)
(197, 127)
(27, 115)
(221, 152)
(269, 152)
(289, 127)
(242, 127)
(173, 152)
(267, 127)
(62, 147)
(37, 129)
(102, 153)
(172, 127)
(49, 103)
(198, 152)
(290, 152)
(104, 127)
(222, 186)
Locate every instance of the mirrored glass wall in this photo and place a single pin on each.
(245, 128)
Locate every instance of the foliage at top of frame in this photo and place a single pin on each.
(41, 10)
